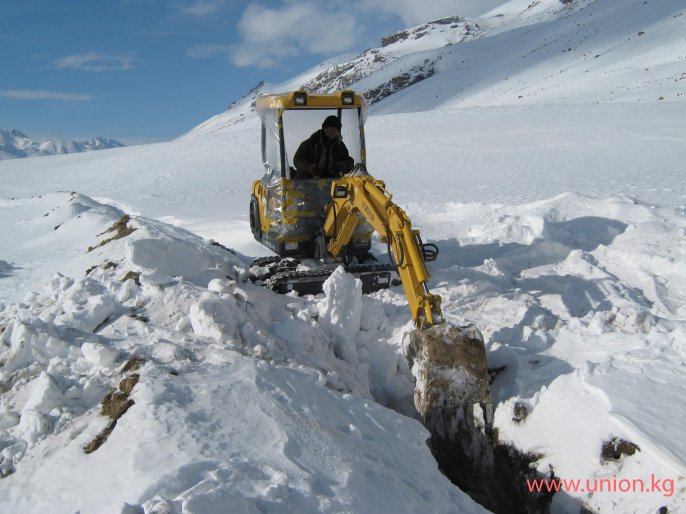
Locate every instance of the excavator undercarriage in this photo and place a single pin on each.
(284, 275)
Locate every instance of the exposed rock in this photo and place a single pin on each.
(132, 275)
(133, 364)
(519, 412)
(114, 406)
(416, 32)
(450, 367)
(449, 364)
(416, 74)
(121, 229)
(616, 448)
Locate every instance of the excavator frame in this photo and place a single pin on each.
(285, 214)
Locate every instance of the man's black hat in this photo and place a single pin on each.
(332, 121)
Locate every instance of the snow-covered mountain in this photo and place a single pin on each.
(15, 144)
(523, 52)
(139, 372)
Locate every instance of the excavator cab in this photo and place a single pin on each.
(286, 214)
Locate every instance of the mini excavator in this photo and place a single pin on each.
(315, 225)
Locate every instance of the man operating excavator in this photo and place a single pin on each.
(323, 154)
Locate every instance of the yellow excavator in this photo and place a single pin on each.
(314, 225)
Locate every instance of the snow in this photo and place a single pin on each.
(341, 311)
(561, 223)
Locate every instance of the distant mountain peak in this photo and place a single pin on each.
(16, 133)
(15, 144)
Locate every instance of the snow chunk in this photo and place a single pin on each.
(340, 312)
(8, 419)
(28, 344)
(86, 304)
(137, 509)
(32, 426)
(212, 317)
(11, 454)
(167, 257)
(100, 355)
(45, 395)
(219, 285)
(155, 278)
(165, 352)
(219, 499)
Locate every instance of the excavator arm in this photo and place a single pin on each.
(359, 195)
(449, 362)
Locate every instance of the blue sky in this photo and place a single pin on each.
(147, 70)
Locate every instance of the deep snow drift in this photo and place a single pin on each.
(246, 400)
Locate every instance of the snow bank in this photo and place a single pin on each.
(244, 398)
(570, 295)
(575, 297)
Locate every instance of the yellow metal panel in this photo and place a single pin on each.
(284, 101)
(270, 107)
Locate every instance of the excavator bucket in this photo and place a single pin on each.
(451, 372)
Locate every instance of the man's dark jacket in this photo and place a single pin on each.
(318, 156)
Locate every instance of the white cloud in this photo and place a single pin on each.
(95, 62)
(42, 94)
(270, 34)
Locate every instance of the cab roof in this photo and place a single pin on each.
(271, 106)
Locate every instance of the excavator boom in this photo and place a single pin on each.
(359, 195)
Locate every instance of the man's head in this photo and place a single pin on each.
(332, 127)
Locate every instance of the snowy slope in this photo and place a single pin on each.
(607, 51)
(561, 226)
(15, 144)
(523, 52)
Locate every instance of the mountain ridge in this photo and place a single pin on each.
(14, 144)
